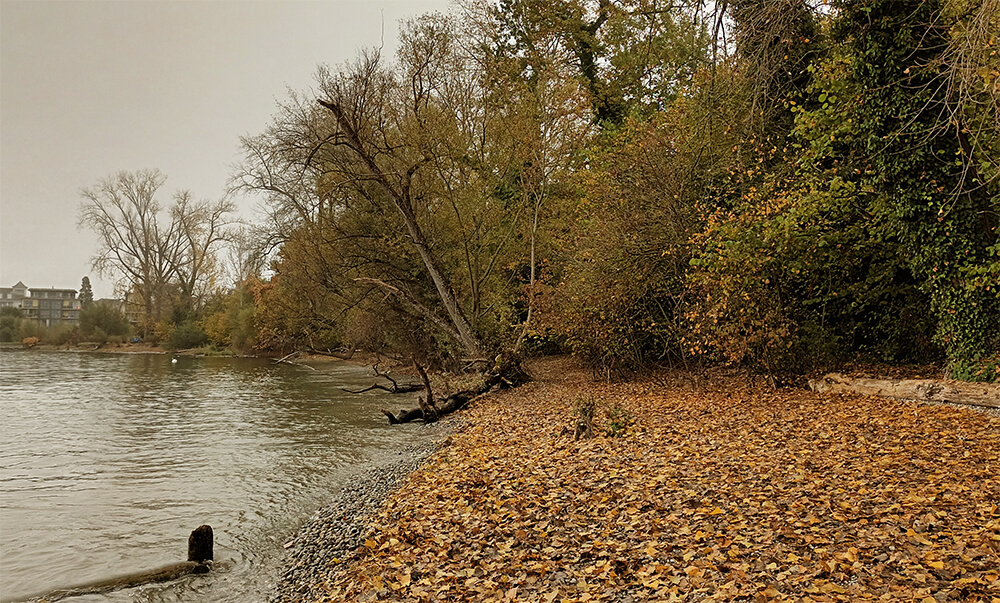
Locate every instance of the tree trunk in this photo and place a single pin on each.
(923, 390)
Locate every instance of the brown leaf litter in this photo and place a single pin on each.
(723, 493)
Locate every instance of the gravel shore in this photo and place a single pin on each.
(339, 527)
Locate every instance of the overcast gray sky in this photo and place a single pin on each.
(90, 88)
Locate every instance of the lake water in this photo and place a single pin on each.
(107, 462)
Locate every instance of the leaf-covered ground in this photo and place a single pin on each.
(716, 494)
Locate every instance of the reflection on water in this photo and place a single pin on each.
(107, 462)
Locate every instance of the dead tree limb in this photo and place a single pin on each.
(286, 357)
(395, 389)
(285, 360)
(507, 372)
(427, 408)
(334, 354)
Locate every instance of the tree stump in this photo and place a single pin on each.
(200, 544)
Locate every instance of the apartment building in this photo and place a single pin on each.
(51, 306)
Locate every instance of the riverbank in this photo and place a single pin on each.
(692, 491)
(338, 528)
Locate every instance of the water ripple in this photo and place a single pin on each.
(107, 462)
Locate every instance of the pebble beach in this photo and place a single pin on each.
(340, 526)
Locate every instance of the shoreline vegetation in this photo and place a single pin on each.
(719, 490)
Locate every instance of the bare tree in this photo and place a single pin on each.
(155, 250)
(200, 227)
(247, 254)
(124, 212)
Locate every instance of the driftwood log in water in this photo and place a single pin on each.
(342, 355)
(200, 555)
(285, 360)
(507, 372)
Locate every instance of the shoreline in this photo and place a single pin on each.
(721, 490)
(360, 358)
(337, 529)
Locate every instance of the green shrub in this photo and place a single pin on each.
(103, 318)
(978, 368)
(619, 420)
(186, 335)
(10, 323)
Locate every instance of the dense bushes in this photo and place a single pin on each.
(100, 323)
(852, 218)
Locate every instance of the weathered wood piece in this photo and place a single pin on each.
(345, 355)
(456, 401)
(285, 360)
(506, 372)
(200, 555)
(405, 388)
(923, 390)
(201, 543)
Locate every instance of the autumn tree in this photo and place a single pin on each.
(615, 280)
(629, 55)
(399, 181)
(153, 250)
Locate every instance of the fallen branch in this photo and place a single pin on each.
(285, 360)
(923, 390)
(334, 354)
(452, 403)
(396, 387)
(507, 372)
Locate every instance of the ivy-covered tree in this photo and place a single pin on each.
(915, 167)
(872, 235)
